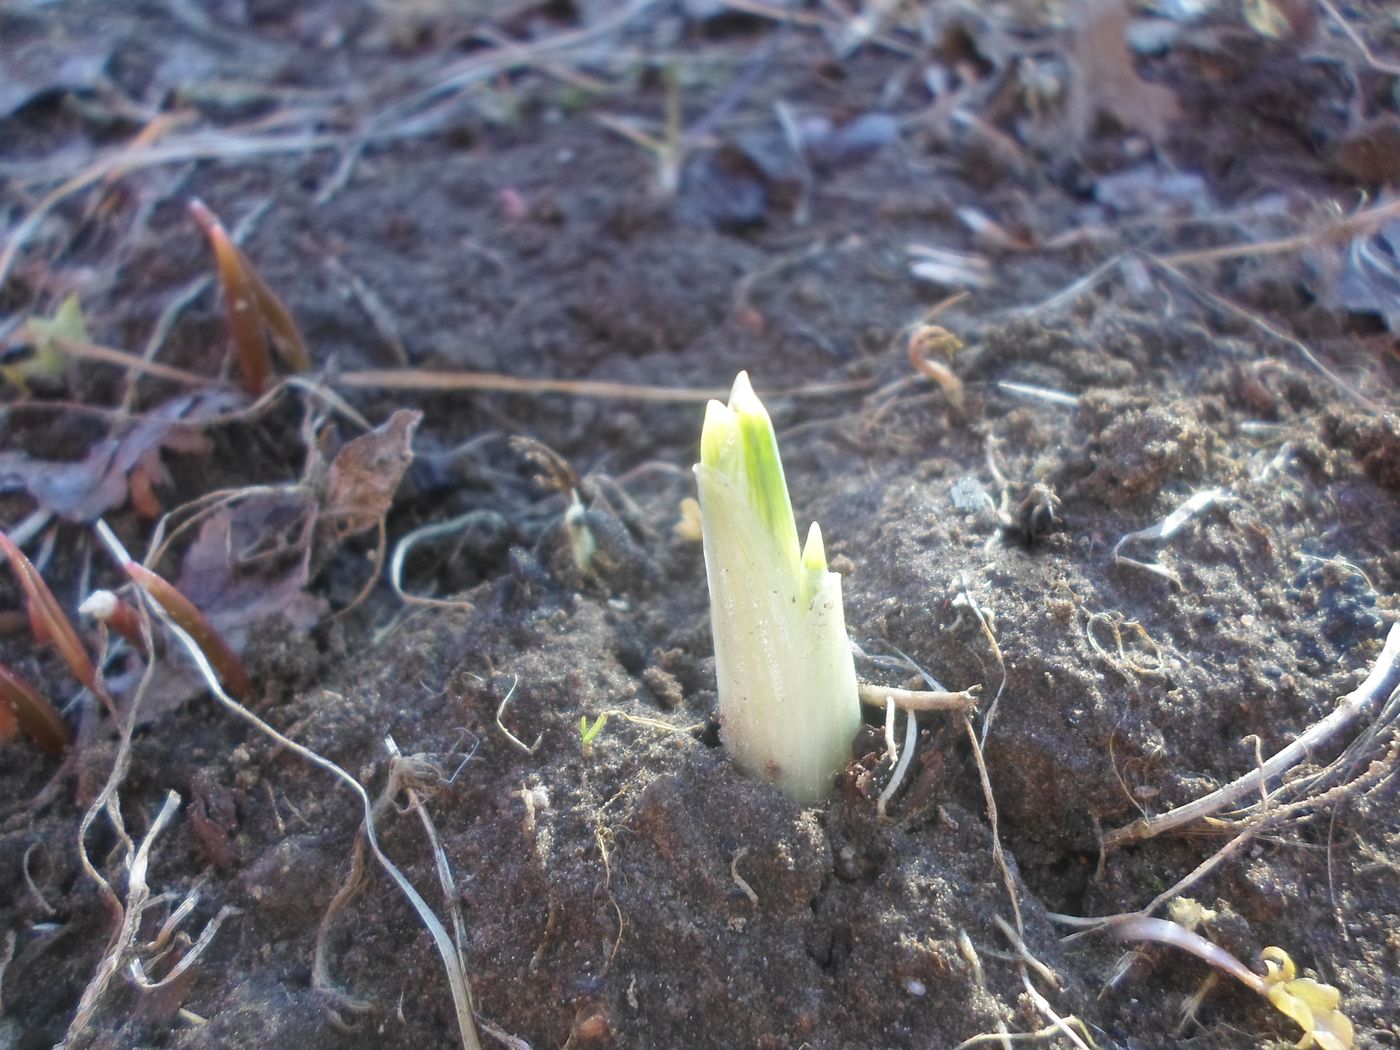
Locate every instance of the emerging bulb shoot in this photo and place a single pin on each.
(788, 702)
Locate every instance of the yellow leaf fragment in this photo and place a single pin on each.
(47, 361)
(1190, 912)
(688, 528)
(1312, 1004)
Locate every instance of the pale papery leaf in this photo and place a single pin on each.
(1106, 77)
(235, 596)
(364, 475)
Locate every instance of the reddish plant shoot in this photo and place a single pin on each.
(23, 707)
(187, 616)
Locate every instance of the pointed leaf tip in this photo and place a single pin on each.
(741, 394)
(814, 551)
(717, 435)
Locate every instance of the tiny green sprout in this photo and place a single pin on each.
(47, 361)
(788, 699)
(587, 734)
(582, 543)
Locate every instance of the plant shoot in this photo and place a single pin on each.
(788, 700)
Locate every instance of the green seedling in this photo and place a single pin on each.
(41, 360)
(788, 698)
(253, 309)
(1315, 1006)
(587, 734)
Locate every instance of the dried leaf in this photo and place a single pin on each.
(236, 596)
(362, 479)
(1108, 81)
(85, 489)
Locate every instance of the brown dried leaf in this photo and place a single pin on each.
(233, 596)
(364, 475)
(85, 489)
(1107, 80)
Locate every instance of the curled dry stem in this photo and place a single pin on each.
(456, 978)
(928, 342)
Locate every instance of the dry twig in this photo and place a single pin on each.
(1360, 702)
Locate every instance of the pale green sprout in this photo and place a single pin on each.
(788, 701)
(587, 734)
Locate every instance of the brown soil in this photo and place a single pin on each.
(603, 889)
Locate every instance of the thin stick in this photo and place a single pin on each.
(1361, 224)
(201, 146)
(420, 379)
(964, 702)
(452, 382)
(133, 363)
(1379, 684)
(1236, 310)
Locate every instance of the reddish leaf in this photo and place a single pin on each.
(25, 707)
(45, 608)
(185, 613)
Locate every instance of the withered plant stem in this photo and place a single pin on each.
(1364, 699)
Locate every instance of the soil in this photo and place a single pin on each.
(638, 891)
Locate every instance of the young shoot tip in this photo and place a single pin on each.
(787, 686)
